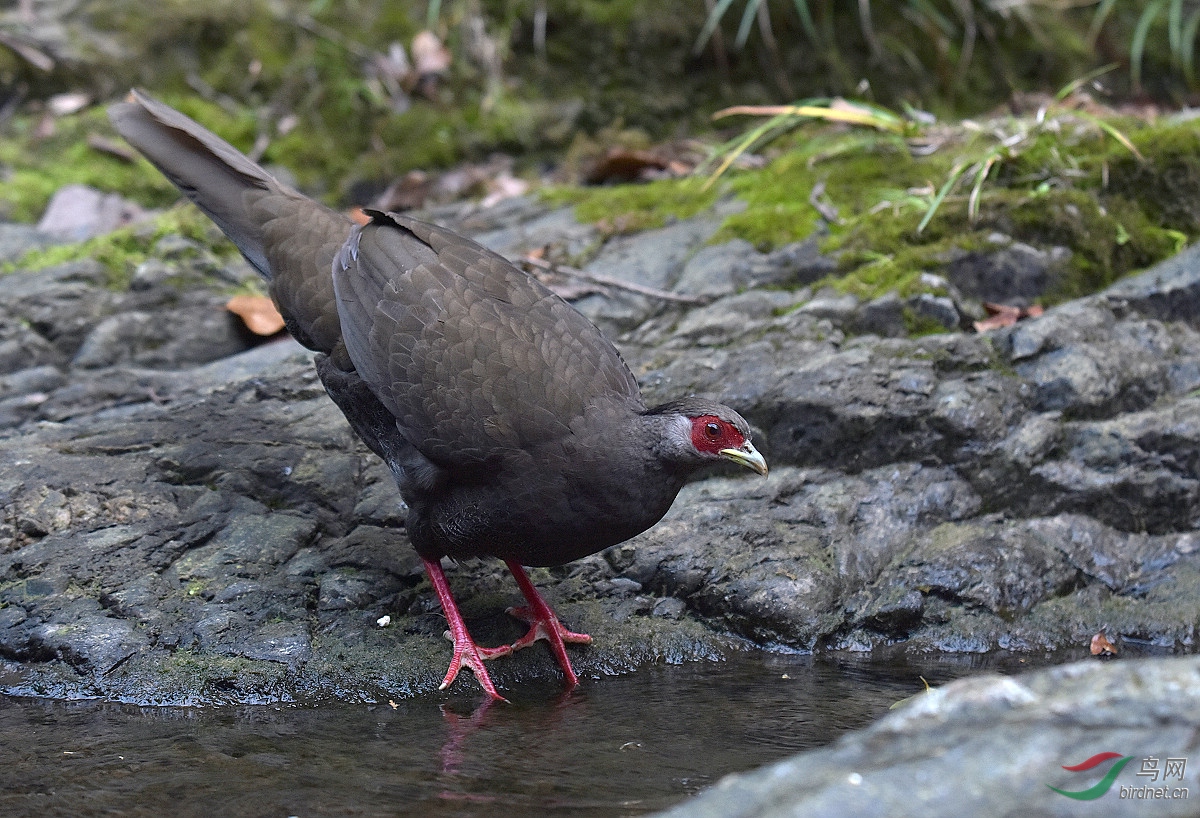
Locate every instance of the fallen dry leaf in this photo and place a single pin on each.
(66, 104)
(1102, 647)
(1005, 315)
(429, 55)
(118, 150)
(504, 186)
(431, 61)
(624, 165)
(257, 312)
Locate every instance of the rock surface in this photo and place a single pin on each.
(187, 517)
(993, 745)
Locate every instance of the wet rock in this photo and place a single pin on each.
(717, 270)
(936, 308)
(857, 404)
(992, 745)
(18, 239)
(21, 346)
(93, 644)
(1170, 291)
(730, 318)
(984, 565)
(793, 265)
(61, 304)
(34, 379)
(79, 212)
(197, 334)
(1082, 359)
(883, 316)
(734, 266)
(838, 308)
(654, 258)
(68, 313)
(557, 229)
(1135, 472)
(1012, 273)
(188, 522)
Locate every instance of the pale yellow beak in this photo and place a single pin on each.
(747, 456)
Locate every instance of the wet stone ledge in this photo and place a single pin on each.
(188, 519)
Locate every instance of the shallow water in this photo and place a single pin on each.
(625, 745)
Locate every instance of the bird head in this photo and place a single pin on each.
(701, 431)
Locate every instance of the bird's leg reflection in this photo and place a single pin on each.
(458, 729)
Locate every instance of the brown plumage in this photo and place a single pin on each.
(512, 426)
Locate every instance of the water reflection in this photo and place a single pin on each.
(615, 746)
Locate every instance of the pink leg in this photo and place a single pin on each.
(466, 652)
(543, 624)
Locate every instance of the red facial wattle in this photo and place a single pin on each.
(711, 434)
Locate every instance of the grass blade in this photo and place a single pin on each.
(748, 16)
(1137, 45)
(1189, 47)
(710, 25)
(1098, 20)
(955, 173)
(806, 19)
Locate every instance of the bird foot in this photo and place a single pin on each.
(549, 628)
(540, 628)
(468, 654)
(544, 624)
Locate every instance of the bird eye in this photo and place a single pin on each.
(712, 431)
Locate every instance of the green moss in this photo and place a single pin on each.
(122, 250)
(629, 208)
(1166, 184)
(918, 325)
(851, 172)
(1108, 237)
(1058, 182)
(770, 226)
(35, 166)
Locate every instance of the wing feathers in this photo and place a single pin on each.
(473, 356)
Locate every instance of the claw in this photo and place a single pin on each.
(541, 629)
(466, 652)
(544, 624)
(471, 656)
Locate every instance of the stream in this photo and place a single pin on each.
(624, 745)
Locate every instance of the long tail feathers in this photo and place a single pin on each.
(207, 169)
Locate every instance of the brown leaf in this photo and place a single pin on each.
(1102, 647)
(115, 149)
(1005, 315)
(409, 192)
(257, 312)
(624, 165)
(431, 62)
(429, 55)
